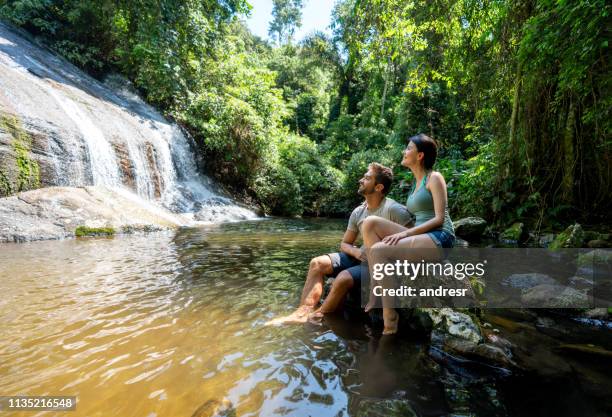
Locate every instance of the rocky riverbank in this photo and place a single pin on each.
(63, 212)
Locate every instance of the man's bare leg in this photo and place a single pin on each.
(342, 285)
(311, 294)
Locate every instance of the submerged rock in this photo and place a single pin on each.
(385, 408)
(216, 408)
(588, 351)
(526, 281)
(554, 296)
(58, 212)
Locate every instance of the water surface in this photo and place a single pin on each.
(168, 323)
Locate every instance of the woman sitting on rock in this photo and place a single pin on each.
(433, 227)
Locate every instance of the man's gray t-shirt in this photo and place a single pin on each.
(388, 209)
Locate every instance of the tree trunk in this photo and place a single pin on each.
(569, 156)
(385, 88)
(515, 111)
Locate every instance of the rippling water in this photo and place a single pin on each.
(172, 325)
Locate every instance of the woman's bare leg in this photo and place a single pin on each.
(420, 249)
(374, 229)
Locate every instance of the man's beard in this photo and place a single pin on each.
(364, 191)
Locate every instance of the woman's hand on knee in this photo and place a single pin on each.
(396, 237)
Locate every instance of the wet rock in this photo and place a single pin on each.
(581, 283)
(598, 243)
(588, 351)
(549, 327)
(385, 408)
(593, 235)
(554, 296)
(470, 227)
(526, 281)
(572, 237)
(484, 352)
(126, 165)
(458, 333)
(57, 212)
(541, 361)
(449, 322)
(512, 234)
(546, 239)
(597, 313)
(495, 339)
(460, 243)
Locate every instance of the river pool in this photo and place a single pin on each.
(172, 324)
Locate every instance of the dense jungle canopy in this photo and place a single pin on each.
(517, 93)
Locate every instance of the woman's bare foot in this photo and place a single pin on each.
(298, 316)
(391, 319)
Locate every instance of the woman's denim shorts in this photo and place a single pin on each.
(442, 238)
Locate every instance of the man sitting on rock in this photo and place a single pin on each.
(345, 265)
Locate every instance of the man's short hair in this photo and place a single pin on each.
(382, 175)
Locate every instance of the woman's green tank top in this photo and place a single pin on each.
(420, 203)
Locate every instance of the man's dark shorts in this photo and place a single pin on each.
(343, 262)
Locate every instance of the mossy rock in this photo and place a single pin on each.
(84, 231)
(572, 237)
(385, 408)
(597, 256)
(513, 233)
(25, 173)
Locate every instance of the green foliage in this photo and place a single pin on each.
(515, 93)
(278, 191)
(316, 181)
(346, 198)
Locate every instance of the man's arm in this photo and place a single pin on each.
(399, 214)
(347, 244)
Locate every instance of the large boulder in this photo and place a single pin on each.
(470, 228)
(453, 323)
(554, 296)
(61, 212)
(458, 333)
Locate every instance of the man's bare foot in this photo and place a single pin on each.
(316, 317)
(391, 319)
(298, 316)
(371, 304)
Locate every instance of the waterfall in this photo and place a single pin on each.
(104, 134)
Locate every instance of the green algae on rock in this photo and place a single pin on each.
(83, 231)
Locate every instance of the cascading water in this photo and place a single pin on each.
(104, 134)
